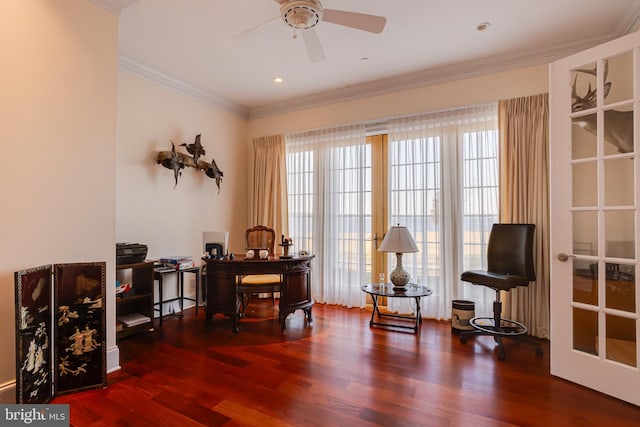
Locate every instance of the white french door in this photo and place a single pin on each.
(595, 195)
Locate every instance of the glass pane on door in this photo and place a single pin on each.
(618, 78)
(619, 233)
(585, 282)
(585, 184)
(618, 181)
(620, 289)
(585, 330)
(583, 88)
(585, 232)
(621, 340)
(583, 137)
(618, 130)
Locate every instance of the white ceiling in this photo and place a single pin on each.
(190, 44)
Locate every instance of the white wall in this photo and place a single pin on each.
(149, 210)
(58, 128)
(461, 93)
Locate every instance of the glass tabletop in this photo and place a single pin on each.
(386, 290)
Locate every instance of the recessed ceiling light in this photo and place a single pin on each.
(278, 79)
(483, 26)
(364, 59)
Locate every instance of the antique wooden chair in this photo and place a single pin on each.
(258, 238)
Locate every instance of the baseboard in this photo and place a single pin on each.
(8, 392)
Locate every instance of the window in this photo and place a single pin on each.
(300, 175)
(442, 184)
(329, 184)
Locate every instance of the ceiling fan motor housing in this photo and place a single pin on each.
(301, 14)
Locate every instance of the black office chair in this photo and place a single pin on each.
(509, 264)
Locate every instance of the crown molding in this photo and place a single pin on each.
(429, 77)
(114, 6)
(167, 81)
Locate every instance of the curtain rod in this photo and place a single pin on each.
(379, 126)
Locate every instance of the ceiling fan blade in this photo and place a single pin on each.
(243, 35)
(360, 21)
(313, 45)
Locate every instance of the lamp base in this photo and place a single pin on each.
(399, 277)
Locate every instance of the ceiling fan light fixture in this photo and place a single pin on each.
(302, 14)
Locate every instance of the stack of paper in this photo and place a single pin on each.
(133, 319)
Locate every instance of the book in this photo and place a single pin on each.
(133, 319)
(168, 267)
(186, 265)
(175, 260)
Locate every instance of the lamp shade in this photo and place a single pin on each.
(398, 240)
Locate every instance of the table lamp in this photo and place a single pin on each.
(398, 239)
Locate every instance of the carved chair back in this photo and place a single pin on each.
(260, 237)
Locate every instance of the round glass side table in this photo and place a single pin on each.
(386, 290)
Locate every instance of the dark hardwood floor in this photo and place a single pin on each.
(336, 373)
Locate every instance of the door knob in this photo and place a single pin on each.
(564, 257)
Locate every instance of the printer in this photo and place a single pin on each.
(130, 253)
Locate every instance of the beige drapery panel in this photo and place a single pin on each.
(524, 198)
(268, 195)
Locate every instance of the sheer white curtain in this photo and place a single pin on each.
(329, 178)
(443, 180)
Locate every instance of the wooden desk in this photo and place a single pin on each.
(222, 277)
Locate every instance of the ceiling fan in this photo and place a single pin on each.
(304, 15)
